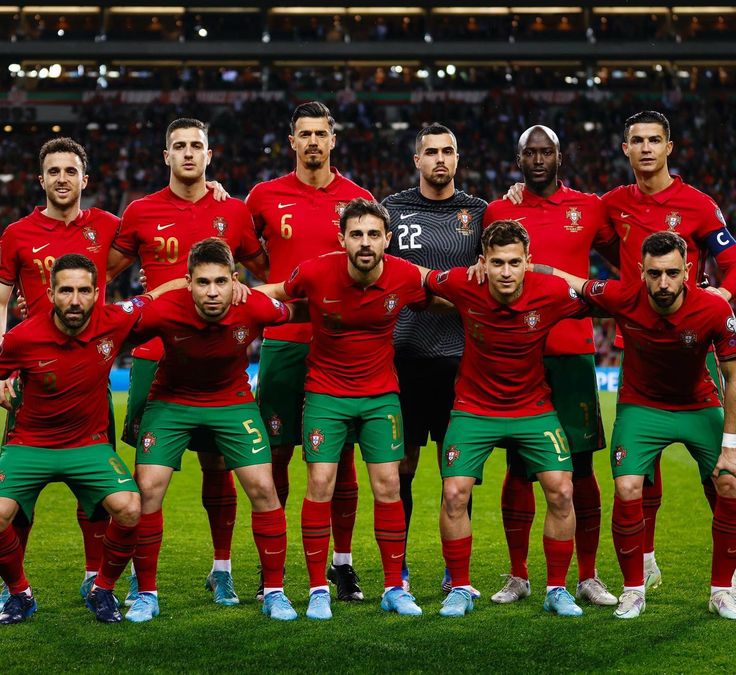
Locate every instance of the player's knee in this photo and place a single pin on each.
(726, 486)
(126, 508)
(455, 497)
(629, 488)
(320, 488)
(559, 495)
(386, 488)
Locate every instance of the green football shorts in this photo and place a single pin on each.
(539, 439)
(375, 419)
(237, 431)
(92, 472)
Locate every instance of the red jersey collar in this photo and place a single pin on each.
(332, 187)
(52, 223)
(557, 197)
(662, 196)
(198, 323)
(88, 334)
(672, 319)
(348, 282)
(183, 204)
(521, 304)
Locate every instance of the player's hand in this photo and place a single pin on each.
(142, 278)
(515, 193)
(478, 271)
(218, 192)
(7, 393)
(22, 306)
(240, 293)
(726, 462)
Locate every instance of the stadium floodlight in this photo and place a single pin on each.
(451, 70)
(8, 128)
(589, 126)
(441, 74)
(43, 73)
(397, 69)
(55, 70)
(32, 73)
(422, 73)
(266, 37)
(658, 67)
(60, 32)
(56, 128)
(14, 67)
(202, 32)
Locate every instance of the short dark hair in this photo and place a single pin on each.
(503, 233)
(212, 250)
(312, 109)
(662, 243)
(364, 207)
(647, 117)
(185, 123)
(73, 261)
(62, 144)
(434, 129)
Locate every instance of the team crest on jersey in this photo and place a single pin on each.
(391, 303)
(452, 454)
(90, 234)
(316, 438)
(340, 208)
(597, 287)
(689, 338)
(274, 425)
(672, 220)
(148, 441)
(620, 454)
(531, 319)
(105, 347)
(220, 225)
(465, 218)
(574, 216)
(240, 334)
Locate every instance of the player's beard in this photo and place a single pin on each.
(666, 299)
(538, 186)
(314, 161)
(73, 321)
(439, 180)
(362, 267)
(71, 198)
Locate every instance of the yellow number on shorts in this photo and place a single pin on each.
(586, 413)
(558, 440)
(166, 248)
(286, 230)
(49, 382)
(394, 426)
(248, 424)
(117, 466)
(44, 266)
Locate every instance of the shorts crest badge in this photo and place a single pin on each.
(391, 303)
(316, 438)
(532, 319)
(574, 216)
(619, 455)
(105, 347)
(240, 334)
(274, 425)
(220, 225)
(2, 477)
(148, 441)
(464, 218)
(452, 454)
(672, 220)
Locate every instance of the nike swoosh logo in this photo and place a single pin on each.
(631, 550)
(284, 206)
(625, 215)
(40, 248)
(178, 338)
(327, 302)
(98, 536)
(472, 311)
(517, 529)
(124, 480)
(630, 326)
(313, 552)
(347, 515)
(731, 551)
(257, 450)
(43, 364)
(404, 216)
(563, 459)
(397, 555)
(230, 523)
(164, 227)
(274, 552)
(396, 446)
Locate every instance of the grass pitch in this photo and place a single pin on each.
(676, 634)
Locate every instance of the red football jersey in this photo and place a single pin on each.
(161, 228)
(352, 351)
(299, 222)
(501, 371)
(664, 365)
(29, 247)
(562, 230)
(205, 362)
(65, 378)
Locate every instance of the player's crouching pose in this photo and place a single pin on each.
(201, 383)
(501, 398)
(60, 433)
(668, 396)
(354, 301)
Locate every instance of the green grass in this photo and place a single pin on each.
(676, 634)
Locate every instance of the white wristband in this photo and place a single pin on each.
(729, 441)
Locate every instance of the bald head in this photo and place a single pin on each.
(541, 129)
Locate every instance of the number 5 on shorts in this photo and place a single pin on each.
(253, 431)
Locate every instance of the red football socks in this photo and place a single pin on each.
(558, 553)
(220, 500)
(11, 561)
(628, 539)
(652, 500)
(586, 499)
(93, 532)
(390, 530)
(145, 558)
(316, 539)
(269, 534)
(457, 559)
(118, 546)
(724, 542)
(517, 510)
(344, 502)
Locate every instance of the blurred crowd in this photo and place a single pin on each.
(375, 147)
